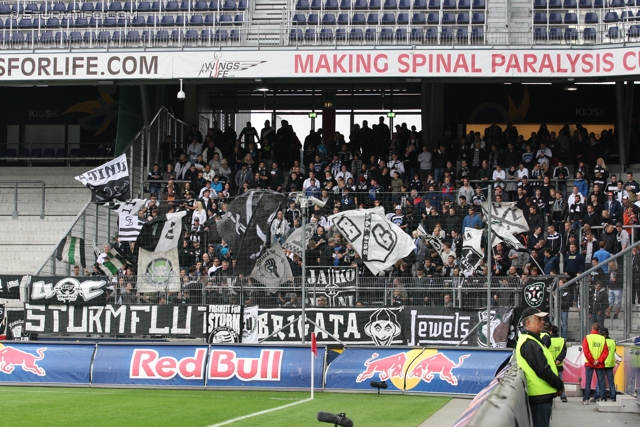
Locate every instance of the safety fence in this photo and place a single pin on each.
(418, 370)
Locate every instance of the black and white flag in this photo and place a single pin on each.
(272, 269)
(508, 215)
(471, 251)
(158, 271)
(129, 224)
(71, 251)
(161, 233)
(379, 242)
(294, 242)
(108, 182)
(246, 224)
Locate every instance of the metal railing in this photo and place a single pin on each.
(15, 184)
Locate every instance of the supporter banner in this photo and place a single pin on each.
(272, 269)
(250, 329)
(217, 366)
(535, 293)
(471, 251)
(15, 327)
(42, 363)
(462, 371)
(480, 63)
(10, 286)
(438, 326)
(3, 320)
(294, 241)
(380, 327)
(339, 284)
(218, 323)
(158, 271)
(69, 290)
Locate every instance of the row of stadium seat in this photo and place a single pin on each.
(589, 18)
(583, 4)
(388, 4)
(418, 18)
(556, 33)
(53, 153)
(140, 21)
(118, 36)
(116, 6)
(400, 34)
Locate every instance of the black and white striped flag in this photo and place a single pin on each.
(129, 223)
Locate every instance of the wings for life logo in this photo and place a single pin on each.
(11, 357)
(219, 68)
(534, 294)
(407, 369)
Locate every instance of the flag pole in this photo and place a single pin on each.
(313, 371)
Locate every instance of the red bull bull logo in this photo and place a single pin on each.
(407, 370)
(10, 357)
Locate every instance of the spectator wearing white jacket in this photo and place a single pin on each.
(279, 229)
(426, 165)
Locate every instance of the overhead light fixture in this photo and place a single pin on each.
(263, 89)
(571, 87)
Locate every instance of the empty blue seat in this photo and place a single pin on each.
(295, 34)
(101, 7)
(598, 4)
(570, 18)
(634, 31)
(238, 19)
(477, 34)
(81, 23)
(206, 35)
(360, 4)
(370, 34)
(25, 23)
(70, 7)
(632, 3)
(155, 6)
(89, 36)
(540, 18)
(180, 21)
(463, 18)
(403, 19)
(432, 19)
(343, 19)
(373, 19)
(539, 4)
(555, 18)
(589, 34)
(433, 4)
(611, 17)
(591, 18)
(446, 34)
(477, 18)
(185, 6)
(115, 6)
(617, 3)
(5, 9)
(23, 152)
(448, 18)
(329, 19)
(390, 4)
(138, 21)
(299, 19)
(221, 35)
(176, 36)
(356, 34)
(388, 19)
(209, 20)
(462, 35)
(173, 6)
(326, 34)
(358, 19)
(570, 34)
(143, 6)
(46, 37)
(344, 5)
(570, 4)
(130, 6)
(449, 4)
(103, 36)
(133, 36)
(162, 36)
(145, 35)
(310, 34)
(638, 16)
(331, 5)
(52, 23)
(167, 21)
(191, 35)
(316, 5)
(404, 4)
(19, 8)
(242, 5)
(196, 20)
(555, 4)
(213, 5)
(540, 33)
(49, 152)
(464, 4)
(152, 21)
(478, 4)
(36, 152)
(431, 36)
(341, 34)
(613, 33)
(118, 36)
(627, 16)
(555, 33)
(401, 34)
(111, 22)
(313, 19)
(200, 6)
(75, 37)
(374, 4)
(585, 4)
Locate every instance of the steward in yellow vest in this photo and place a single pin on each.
(558, 350)
(538, 364)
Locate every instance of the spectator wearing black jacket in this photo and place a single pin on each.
(573, 261)
(577, 211)
(554, 239)
(598, 304)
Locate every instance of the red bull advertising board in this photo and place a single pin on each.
(454, 371)
(42, 363)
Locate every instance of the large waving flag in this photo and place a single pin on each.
(108, 182)
(161, 233)
(71, 251)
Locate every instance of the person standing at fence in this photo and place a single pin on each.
(609, 364)
(559, 352)
(595, 352)
(599, 303)
(538, 364)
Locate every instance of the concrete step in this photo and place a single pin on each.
(627, 404)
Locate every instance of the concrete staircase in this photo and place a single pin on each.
(267, 19)
(26, 239)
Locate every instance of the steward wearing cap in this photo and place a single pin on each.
(558, 350)
(545, 335)
(538, 364)
(609, 364)
(595, 352)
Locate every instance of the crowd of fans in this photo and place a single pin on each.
(577, 211)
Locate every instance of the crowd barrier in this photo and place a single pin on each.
(416, 370)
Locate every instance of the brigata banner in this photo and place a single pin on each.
(464, 371)
(217, 323)
(415, 63)
(380, 327)
(45, 363)
(215, 366)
